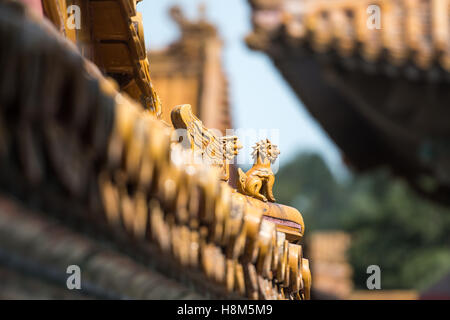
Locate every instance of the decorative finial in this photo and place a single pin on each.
(177, 15)
(202, 11)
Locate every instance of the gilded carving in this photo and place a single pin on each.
(259, 180)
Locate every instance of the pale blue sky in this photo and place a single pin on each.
(259, 96)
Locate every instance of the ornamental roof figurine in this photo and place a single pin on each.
(259, 180)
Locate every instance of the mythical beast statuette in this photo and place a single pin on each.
(258, 181)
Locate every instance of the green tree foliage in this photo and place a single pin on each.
(307, 183)
(391, 226)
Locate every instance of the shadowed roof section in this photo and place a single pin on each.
(381, 94)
